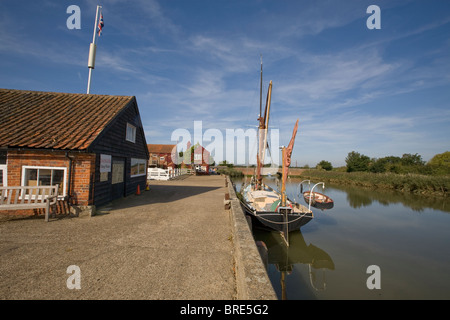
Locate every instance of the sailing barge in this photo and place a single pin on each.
(269, 208)
(264, 206)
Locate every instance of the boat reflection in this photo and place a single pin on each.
(274, 252)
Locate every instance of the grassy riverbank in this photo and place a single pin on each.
(413, 183)
(230, 171)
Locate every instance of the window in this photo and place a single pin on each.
(138, 167)
(105, 167)
(131, 133)
(3, 175)
(104, 176)
(2, 157)
(117, 172)
(154, 159)
(45, 176)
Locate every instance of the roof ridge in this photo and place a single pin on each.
(66, 93)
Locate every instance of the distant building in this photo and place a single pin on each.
(93, 146)
(161, 155)
(198, 158)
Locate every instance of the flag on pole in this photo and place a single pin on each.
(100, 24)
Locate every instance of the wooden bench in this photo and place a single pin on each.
(27, 197)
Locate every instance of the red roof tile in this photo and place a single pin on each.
(160, 148)
(52, 120)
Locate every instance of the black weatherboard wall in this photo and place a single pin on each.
(112, 141)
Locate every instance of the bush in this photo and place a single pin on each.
(324, 165)
(415, 183)
(230, 172)
(357, 162)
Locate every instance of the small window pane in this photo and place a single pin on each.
(58, 178)
(104, 176)
(2, 157)
(134, 169)
(142, 168)
(131, 133)
(45, 177)
(31, 177)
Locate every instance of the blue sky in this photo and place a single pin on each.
(378, 92)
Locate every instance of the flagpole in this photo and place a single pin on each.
(92, 51)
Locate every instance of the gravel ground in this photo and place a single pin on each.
(171, 242)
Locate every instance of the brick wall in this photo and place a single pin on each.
(83, 169)
(83, 173)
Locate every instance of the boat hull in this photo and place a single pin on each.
(275, 221)
(319, 200)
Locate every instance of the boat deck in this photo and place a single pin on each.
(269, 200)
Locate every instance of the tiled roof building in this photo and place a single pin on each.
(52, 120)
(161, 155)
(92, 145)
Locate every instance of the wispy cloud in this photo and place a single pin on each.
(351, 88)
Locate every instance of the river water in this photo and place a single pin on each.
(371, 245)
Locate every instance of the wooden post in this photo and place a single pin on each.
(283, 177)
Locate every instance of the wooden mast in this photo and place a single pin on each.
(260, 91)
(283, 177)
(262, 137)
(261, 124)
(286, 159)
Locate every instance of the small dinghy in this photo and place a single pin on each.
(316, 199)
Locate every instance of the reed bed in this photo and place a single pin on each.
(414, 183)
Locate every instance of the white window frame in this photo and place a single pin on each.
(60, 196)
(131, 133)
(4, 168)
(139, 161)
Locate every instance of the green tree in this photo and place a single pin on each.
(440, 163)
(378, 165)
(389, 164)
(441, 159)
(325, 165)
(412, 160)
(357, 162)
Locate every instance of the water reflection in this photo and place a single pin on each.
(275, 252)
(405, 234)
(363, 197)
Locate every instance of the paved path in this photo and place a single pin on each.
(172, 242)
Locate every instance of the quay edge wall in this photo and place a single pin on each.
(252, 280)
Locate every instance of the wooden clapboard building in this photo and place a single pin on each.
(93, 146)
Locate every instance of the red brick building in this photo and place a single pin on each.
(200, 158)
(93, 146)
(161, 155)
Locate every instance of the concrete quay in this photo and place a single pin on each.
(174, 242)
